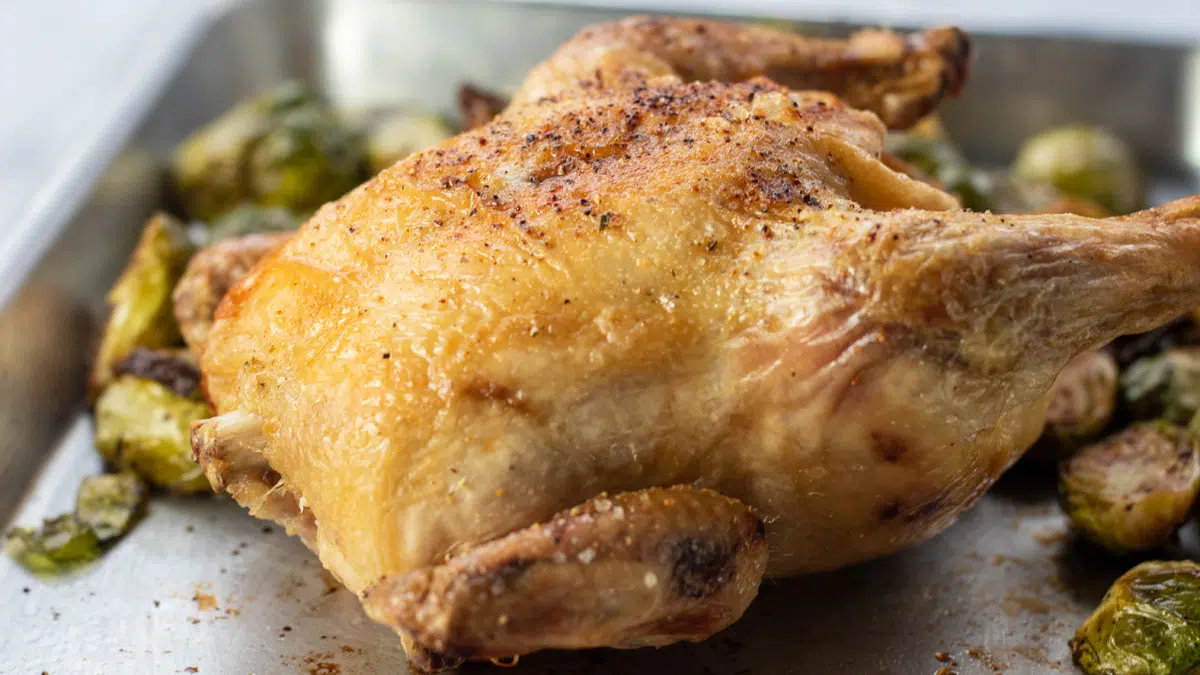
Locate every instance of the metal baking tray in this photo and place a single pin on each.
(1001, 591)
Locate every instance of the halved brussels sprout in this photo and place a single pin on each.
(141, 313)
(1164, 386)
(109, 503)
(938, 159)
(1133, 490)
(252, 219)
(1147, 624)
(284, 148)
(1082, 401)
(395, 133)
(1084, 161)
(142, 426)
(60, 544)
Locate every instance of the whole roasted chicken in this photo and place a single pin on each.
(582, 376)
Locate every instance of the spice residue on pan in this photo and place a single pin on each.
(321, 663)
(1036, 655)
(205, 602)
(1014, 605)
(985, 657)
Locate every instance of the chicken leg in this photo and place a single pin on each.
(638, 569)
(612, 290)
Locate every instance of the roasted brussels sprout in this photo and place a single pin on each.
(109, 503)
(1082, 401)
(141, 312)
(143, 427)
(1147, 624)
(284, 148)
(1084, 161)
(1164, 386)
(395, 133)
(938, 159)
(1133, 490)
(252, 219)
(59, 545)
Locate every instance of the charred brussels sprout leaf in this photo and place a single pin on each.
(59, 545)
(174, 369)
(1133, 490)
(284, 148)
(144, 427)
(141, 313)
(1086, 162)
(109, 504)
(1082, 401)
(478, 106)
(1147, 624)
(393, 134)
(1165, 385)
(252, 219)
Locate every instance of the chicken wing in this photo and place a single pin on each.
(898, 77)
(709, 303)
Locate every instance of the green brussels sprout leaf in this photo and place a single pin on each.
(109, 503)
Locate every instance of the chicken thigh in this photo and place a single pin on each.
(582, 376)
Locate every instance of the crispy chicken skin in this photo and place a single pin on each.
(712, 303)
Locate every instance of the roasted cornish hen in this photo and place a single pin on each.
(581, 376)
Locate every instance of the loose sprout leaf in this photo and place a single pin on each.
(60, 545)
(1147, 624)
(141, 314)
(1164, 386)
(109, 503)
(1084, 161)
(1132, 491)
(144, 427)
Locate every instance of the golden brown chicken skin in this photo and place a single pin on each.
(711, 305)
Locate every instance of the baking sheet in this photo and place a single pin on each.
(201, 585)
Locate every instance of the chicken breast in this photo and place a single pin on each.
(580, 377)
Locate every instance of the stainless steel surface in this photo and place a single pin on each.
(1004, 588)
